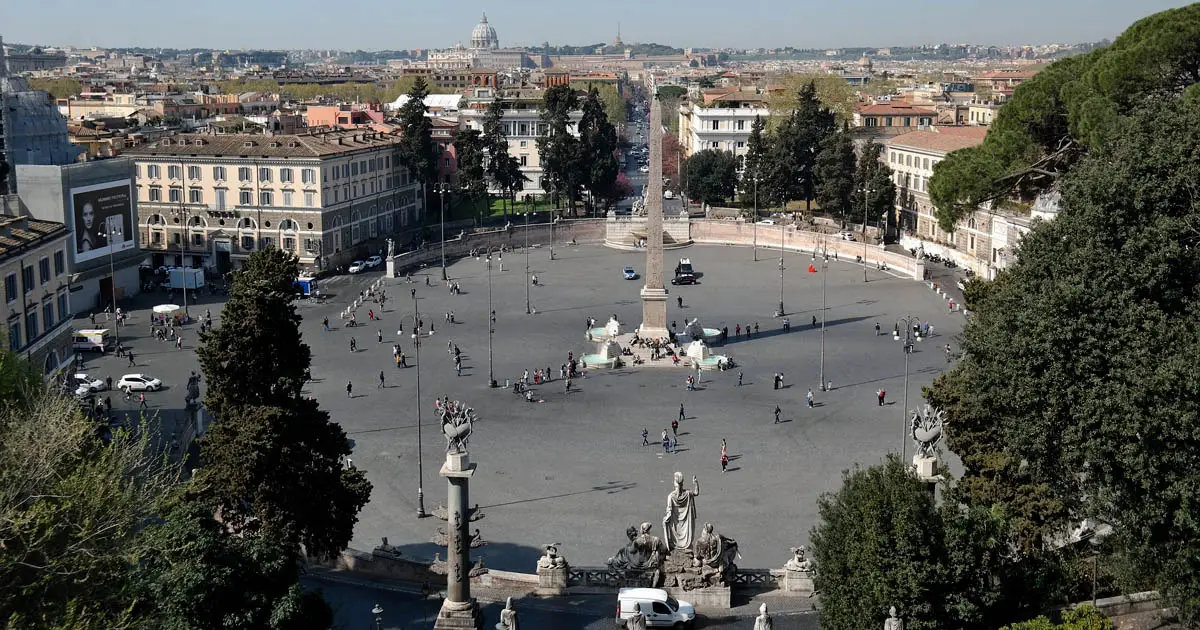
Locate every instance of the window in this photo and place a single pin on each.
(60, 264)
(195, 195)
(716, 124)
(247, 242)
(345, 170)
(524, 160)
(741, 144)
(892, 157)
(137, 171)
(64, 311)
(193, 172)
(44, 270)
(10, 287)
(14, 335)
(174, 172)
(285, 175)
(27, 278)
(715, 144)
(243, 173)
(31, 326)
(971, 243)
(219, 173)
(178, 238)
(309, 200)
(289, 244)
(265, 242)
(524, 129)
(287, 197)
(265, 198)
(741, 125)
(175, 195)
(887, 122)
(244, 197)
(156, 238)
(925, 164)
(264, 174)
(152, 171)
(907, 121)
(220, 198)
(308, 176)
(155, 193)
(354, 168)
(908, 160)
(335, 195)
(47, 315)
(198, 239)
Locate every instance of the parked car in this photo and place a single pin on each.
(358, 266)
(374, 261)
(644, 169)
(667, 194)
(846, 236)
(630, 274)
(139, 383)
(660, 609)
(91, 384)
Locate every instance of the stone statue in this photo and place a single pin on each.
(799, 560)
(679, 524)
(193, 390)
(763, 620)
(642, 554)
(893, 622)
(391, 248)
(508, 617)
(714, 554)
(552, 560)
(458, 422)
(926, 429)
(694, 329)
(638, 620)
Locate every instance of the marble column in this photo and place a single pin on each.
(459, 610)
(654, 294)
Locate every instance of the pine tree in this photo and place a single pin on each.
(472, 175)
(416, 143)
(836, 167)
(495, 142)
(874, 191)
(599, 140)
(560, 152)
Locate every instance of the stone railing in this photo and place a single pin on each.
(512, 237)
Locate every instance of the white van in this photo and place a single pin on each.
(95, 339)
(660, 609)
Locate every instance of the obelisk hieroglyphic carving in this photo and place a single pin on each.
(654, 294)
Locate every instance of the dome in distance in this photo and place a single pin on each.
(484, 36)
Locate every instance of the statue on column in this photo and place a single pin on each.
(391, 248)
(679, 524)
(508, 617)
(763, 620)
(893, 622)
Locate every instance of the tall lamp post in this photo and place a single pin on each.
(416, 337)
(782, 232)
(491, 316)
(182, 213)
(755, 218)
(909, 338)
(866, 192)
(824, 273)
(528, 309)
(114, 235)
(441, 189)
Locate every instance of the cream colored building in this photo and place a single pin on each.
(327, 197)
(722, 128)
(36, 305)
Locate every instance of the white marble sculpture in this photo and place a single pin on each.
(763, 620)
(679, 524)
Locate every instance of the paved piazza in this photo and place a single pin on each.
(571, 469)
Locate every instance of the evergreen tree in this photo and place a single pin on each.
(416, 143)
(874, 191)
(472, 175)
(835, 170)
(272, 462)
(711, 175)
(495, 143)
(560, 151)
(798, 139)
(599, 146)
(753, 165)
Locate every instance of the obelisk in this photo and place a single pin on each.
(654, 294)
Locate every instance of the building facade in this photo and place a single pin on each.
(723, 128)
(36, 309)
(522, 123)
(327, 197)
(900, 117)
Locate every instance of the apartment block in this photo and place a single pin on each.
(36, 309)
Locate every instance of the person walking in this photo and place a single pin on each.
(681, 415)
(325, 324)
(525, 378)
(353, 345)
(108, 382)
(142, 401)
(666, 442)
(567, 387)
(403, 360)
(881, 395)
(397, 358)
(775, 380)
(724, 461)
(179, 343)
(675, 429)
(130, 355)
(814, 321)
(949, 355)
(810, 399)
(739, 379)
(679, 300)
(645, 436)
(876, 329)
(756, 328)
(777, 412)
(380, 386)
(458, 368)
(379, 335)
(349, 389)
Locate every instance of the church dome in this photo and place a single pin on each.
(484, 36)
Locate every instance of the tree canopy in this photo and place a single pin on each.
(710, 176)
(598, 138)
(560, 151)
(1073, 106)
(835, 173)
(416, 143)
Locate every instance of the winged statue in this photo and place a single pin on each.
(458, 421)
(926, 429)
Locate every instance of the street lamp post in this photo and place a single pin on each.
(824, 272)
(491, 317)
(866, 192)
(377, 610)
(416, 337)
(907, 322)
(441, 189)
(528, 309)
(553, 220)
(755, 218)
(183, 245)
(782, 232)
(115, 236)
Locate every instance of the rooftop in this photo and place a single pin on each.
(940, 139)
(894, 109)
(17, 233)
(256, 145)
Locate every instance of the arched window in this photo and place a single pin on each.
(51, 362)
(197, 222)
(971, 223)
(246, 223)
(156, 220)
(288, 225)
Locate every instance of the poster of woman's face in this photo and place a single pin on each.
(103, 216)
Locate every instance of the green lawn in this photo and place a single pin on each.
(464, 210)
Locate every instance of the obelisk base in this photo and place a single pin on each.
(459, 616)
(654, 314)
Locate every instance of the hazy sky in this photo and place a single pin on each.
(402, 24)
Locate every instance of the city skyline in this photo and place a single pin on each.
(759, 23)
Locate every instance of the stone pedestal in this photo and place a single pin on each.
(707, 598)
(797, 581)
(926, 468)
(459, 616)
(459, 610)
(552, 581)
(654, 313)
(391, 268)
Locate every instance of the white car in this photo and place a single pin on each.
(644, 169)
(847, 236)
(83, 381)
(668, 194)
(374, 261)
(766, 222)
(358, 266)
(139, 383)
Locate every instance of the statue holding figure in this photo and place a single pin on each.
(643, 554)
(679, 524)
(714, 555)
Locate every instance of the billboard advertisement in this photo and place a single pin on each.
(104, 219)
